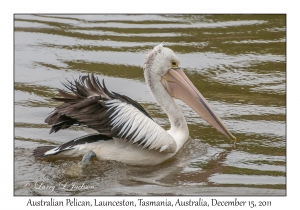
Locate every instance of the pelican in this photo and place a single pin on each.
(126, 132)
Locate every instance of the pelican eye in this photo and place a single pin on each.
(174, 63)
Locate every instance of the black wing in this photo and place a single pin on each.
(86, 106)
(109, 113)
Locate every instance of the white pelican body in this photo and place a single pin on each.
(126, 132)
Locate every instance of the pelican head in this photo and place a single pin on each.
(160, 60)
(162, 66)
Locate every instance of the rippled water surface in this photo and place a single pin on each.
(238, 62)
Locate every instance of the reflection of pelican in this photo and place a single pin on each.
(126, 131)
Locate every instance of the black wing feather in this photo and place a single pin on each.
(91, 138)
(86, 105)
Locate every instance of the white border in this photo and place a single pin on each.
(153, 6)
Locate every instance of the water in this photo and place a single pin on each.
(238, 62)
